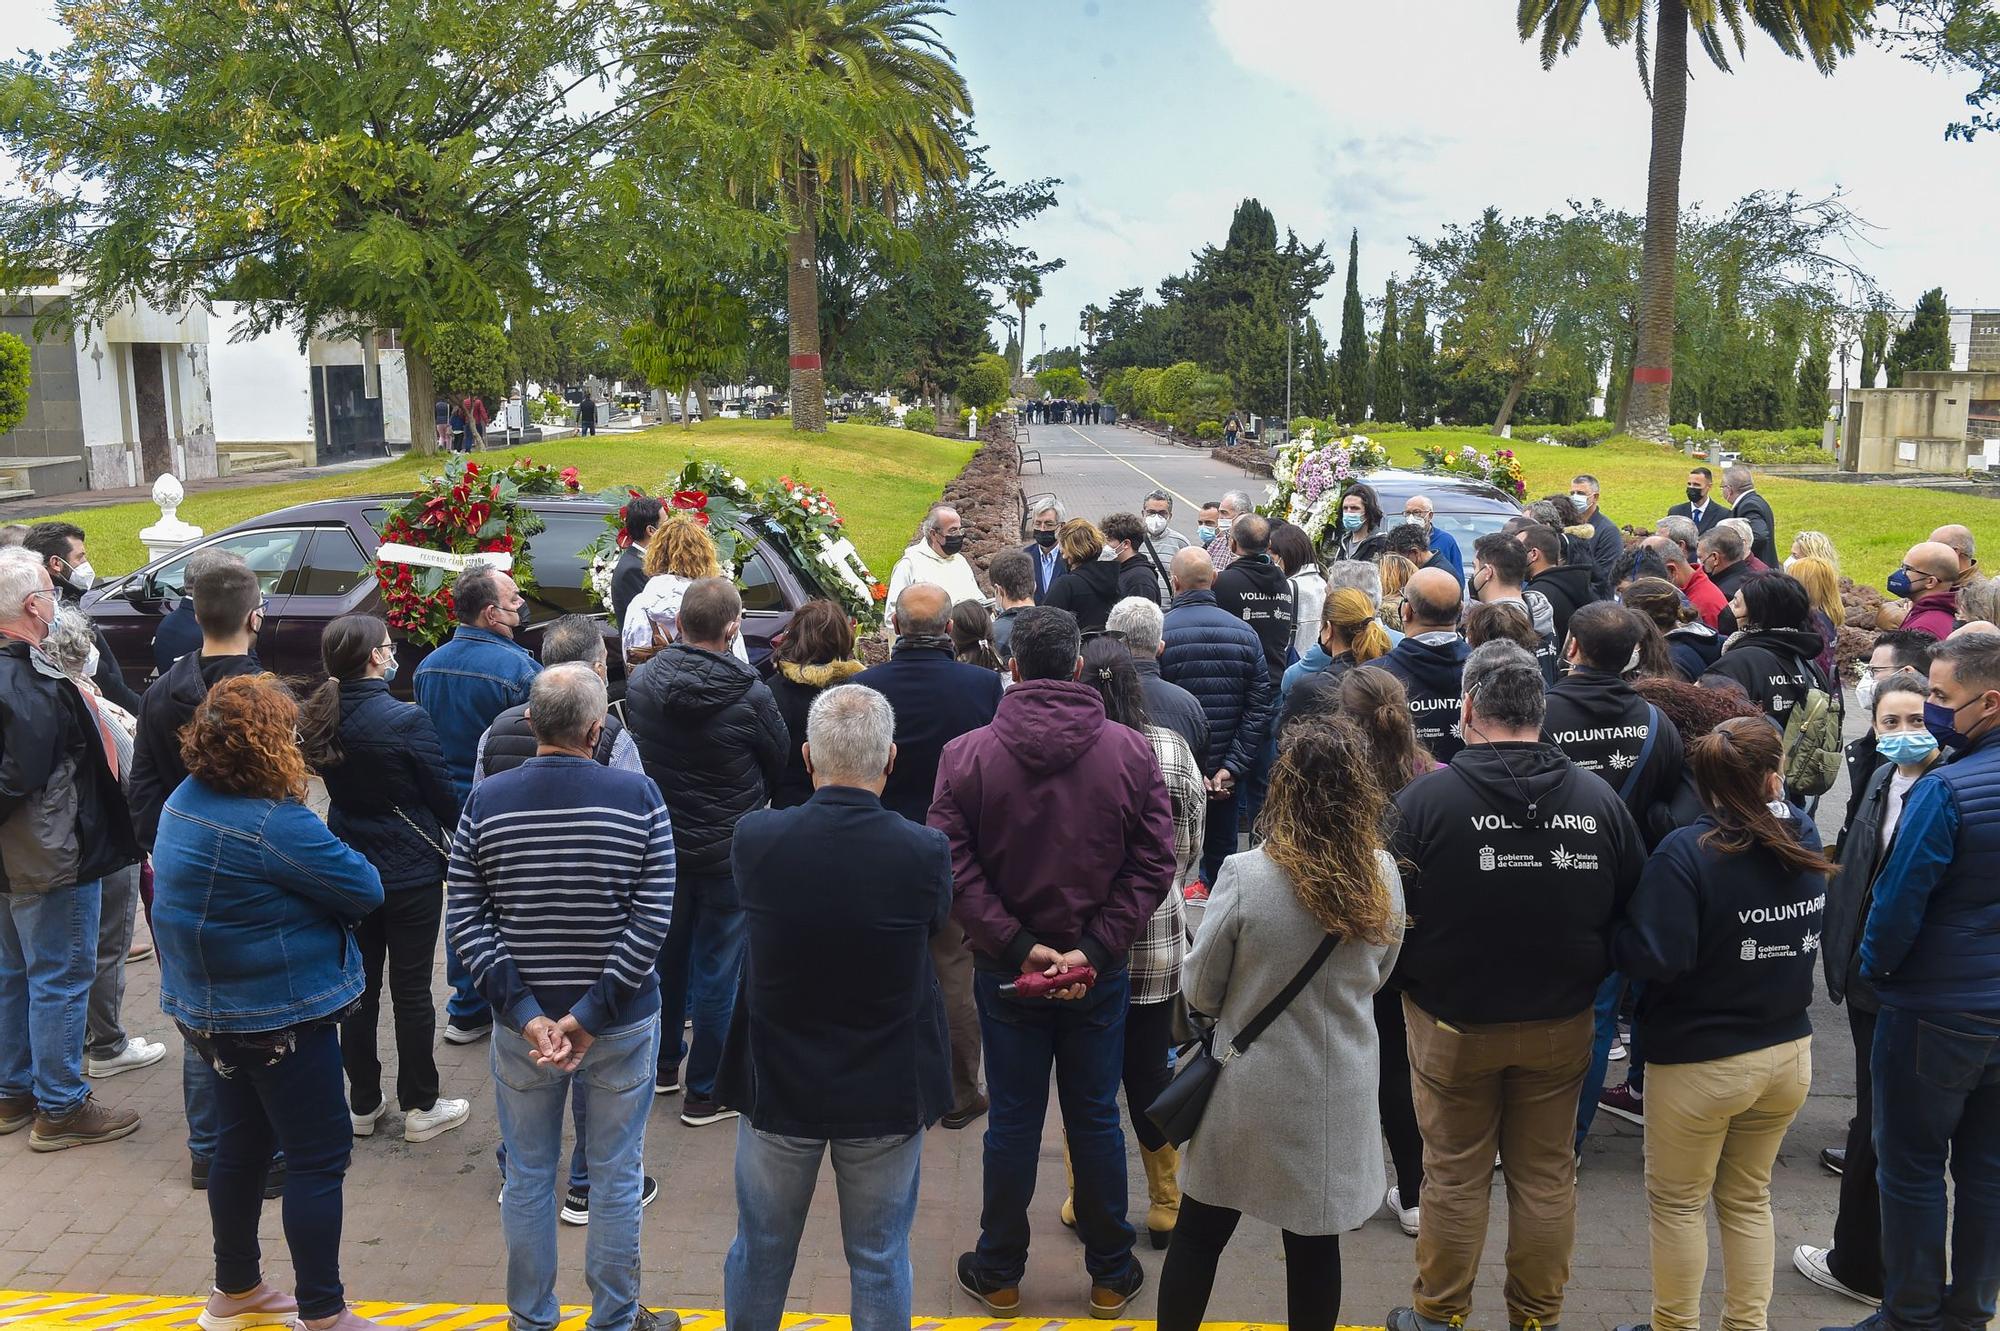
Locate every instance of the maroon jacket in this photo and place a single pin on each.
(1932, 613)
(1060, 828)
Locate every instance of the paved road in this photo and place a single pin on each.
(422, 1225)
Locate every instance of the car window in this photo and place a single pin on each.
(269, 552)
(334, 565)
(559, 569)
(774, 545)
(759, 584)
(1465, 528)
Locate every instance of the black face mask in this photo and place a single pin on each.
(1045, 539)
(1696, 496)
(954, 543)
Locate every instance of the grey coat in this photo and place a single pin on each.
(1292, 1135)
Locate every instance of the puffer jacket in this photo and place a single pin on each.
(391, 794)
(796, 688)
(711, 738)
(62, 818)
(1220, 660)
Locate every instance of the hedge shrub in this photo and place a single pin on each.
(1208, 430)
(14, 362)
(920, 418)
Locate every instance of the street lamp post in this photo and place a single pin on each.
(1045, 345)
(1288, 374)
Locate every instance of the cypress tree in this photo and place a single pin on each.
(1925, 344)
(1814, 372)
(1353, 356)
(1874, 346)
(1419, 366)
(1388, 376)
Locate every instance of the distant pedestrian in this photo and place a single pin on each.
(568, 959)
(441, 416)
(838, 876)
(476, 417)
(586, 415)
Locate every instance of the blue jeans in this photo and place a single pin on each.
(528, 1098)
(877, 1182)
(1610, 997)
(579, 1165)
(1085, 1042)
(204, 1115)
(298, 1102)
(703, 963)
(48, 958)
(1937, 1093)
(1218, 838)
(465, 1009)
(1251, 789)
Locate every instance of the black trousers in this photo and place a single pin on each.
(1149, 1033)
(1856, 1259)
(403, 931)
(1312, 1271)
(1394, 1098)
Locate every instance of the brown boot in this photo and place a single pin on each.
(16, 1112)
(1069, 1201)
(1163, 1187)
(86, 1125)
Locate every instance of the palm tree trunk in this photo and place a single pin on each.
(808, 379)
(1651, 398)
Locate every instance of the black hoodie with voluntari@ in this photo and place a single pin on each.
(1521, 863)
(1604, 727)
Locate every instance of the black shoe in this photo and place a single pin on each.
(1109, 1297)
(576, 1201)
(1833, 1159)
(959, 1118)
(198, 1173)
(274, 1177)
(666, 1319)
(696, 1112)
(999, 1298)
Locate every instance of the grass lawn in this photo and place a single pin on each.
(1872, 526)
(882, 480)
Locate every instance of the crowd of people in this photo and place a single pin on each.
(1068, 411)
(1119, 790)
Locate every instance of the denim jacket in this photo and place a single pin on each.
(254, 903)
(465, 684)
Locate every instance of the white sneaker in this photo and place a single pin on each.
(1619, 1053)
(420, 1125)
(364, 1124)
(1812, 1265)
(1406, 1216)
(137, 1053)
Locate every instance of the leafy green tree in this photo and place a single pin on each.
(1925, 342)
(837, 112)
(1388, 372)
(470, 358)
(1313, 393)
(339, 168)
(1353, 358)
(1254, 354)
(697, 331)
(1957, 36)
(1819, 30)
(15, 360)
(1815, 374)
(1419, 365)
(986, 383)
(1062, 381)
(1874, 345)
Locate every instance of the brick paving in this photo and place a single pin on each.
(422, 1224)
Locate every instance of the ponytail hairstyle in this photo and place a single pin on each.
(1379, 706)
(344, 649)
(1733, 766)
(1321, 825)
(1350, 611)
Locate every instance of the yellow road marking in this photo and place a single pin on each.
(22, 1310)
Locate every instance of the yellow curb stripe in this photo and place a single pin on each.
(22, 1310)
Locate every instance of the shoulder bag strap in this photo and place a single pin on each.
(1645, 752)
(422, 835)
(1245, 1037)
(1154, 555)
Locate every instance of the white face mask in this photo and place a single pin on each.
(1156, 523)
(1864, 693)
(1583, 501)
(90, 665)
(82, 576)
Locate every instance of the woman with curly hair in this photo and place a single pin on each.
(255, 903)
(679, 555)
(1321, 897)
(815, 653)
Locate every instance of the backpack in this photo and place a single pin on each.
(1813, 749)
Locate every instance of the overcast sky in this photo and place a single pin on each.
(1160, 115)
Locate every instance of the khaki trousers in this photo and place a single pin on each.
(1510, 1087)
(951, 957)
(1713, 1129)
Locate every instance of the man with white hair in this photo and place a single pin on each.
(64, 825)
(1045, 522)
(1739, 487)
(838, 876)
(936, 557)
(1142, 625)
(1221, 550)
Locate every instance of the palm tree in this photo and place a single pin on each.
(1819, 30)
(829, 106)
(1024, 288)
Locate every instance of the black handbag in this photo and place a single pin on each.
(1177, 1111)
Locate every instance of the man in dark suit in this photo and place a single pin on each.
(1739, 487)
(628, 575)
(856, 1059)
(1701, 507)
(1045, 523)
(937, 698)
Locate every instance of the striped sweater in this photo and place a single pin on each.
(560, 890)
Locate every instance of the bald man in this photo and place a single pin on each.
(1430, 660)
(1419, 510)
(1959, 538)
(1928, 580)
